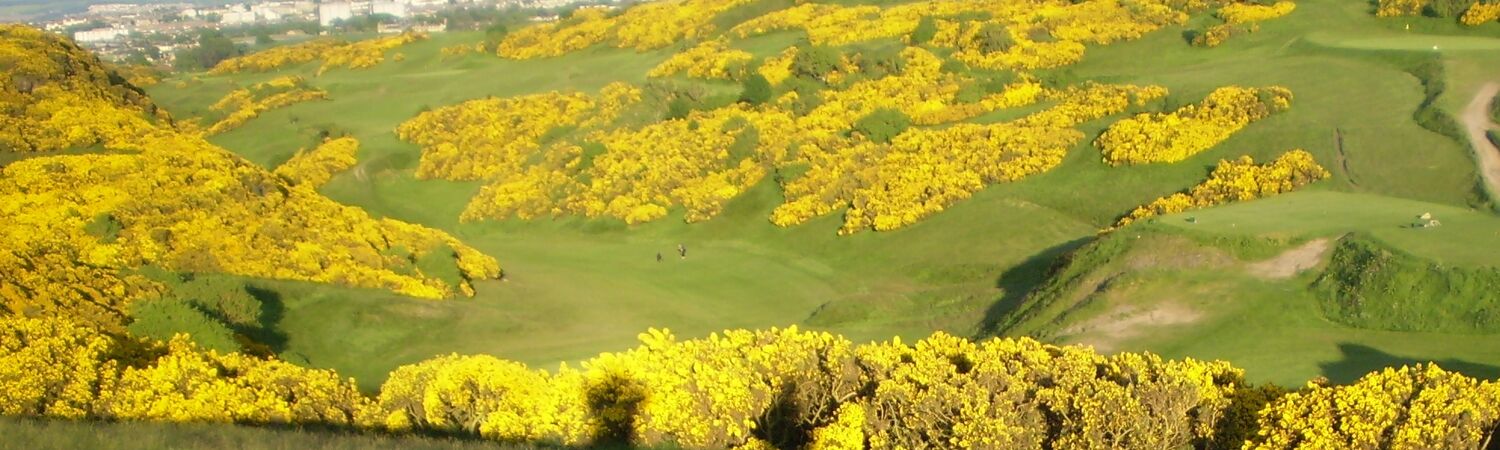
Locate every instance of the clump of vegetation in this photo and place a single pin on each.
(755, 89)
(1370, 285)
(1431, 73)
(882, 125)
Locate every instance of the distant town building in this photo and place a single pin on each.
(392, 7)
(233, 18)
(99, 35)
(331, 12)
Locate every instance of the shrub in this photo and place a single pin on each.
(814, 62)
(1447, 8)
(162, 318)
(995, 38)
(882, 125)
(755, 89)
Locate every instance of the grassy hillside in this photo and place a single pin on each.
(576, 287)
(1238, 282)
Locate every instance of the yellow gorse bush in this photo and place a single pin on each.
(334, 53)
(246, 104)
(709, 60)
(774, 388)
(1238, 13)
(74, 228)
(1178, 135)
(1238, 180)
(313, 168)
(736, 388)
(365, 54)
(45, 96)
(277, 57)
(642, 27)
(638, 174)
(1480, 13)
(1412, 407)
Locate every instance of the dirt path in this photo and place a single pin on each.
(1291, 262)
(1127, 322)
(1476, 120)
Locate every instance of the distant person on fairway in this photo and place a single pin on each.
(658, 256)
(682, 251)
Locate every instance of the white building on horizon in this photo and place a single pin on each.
(395, 8)
(331, 12)
(99, 35)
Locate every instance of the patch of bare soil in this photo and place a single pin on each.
(1127, 321)
(1291, 262)
(1476, 120)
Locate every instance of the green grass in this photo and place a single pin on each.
(1185, 299)
(1466, 237)
(1367, 285)
(41, 434)
(579, 287)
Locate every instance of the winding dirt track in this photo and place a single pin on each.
(1476, 120)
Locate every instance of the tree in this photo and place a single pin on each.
(813, 62)
(996, 38)
(213, 47)
(1447, 8)
(756, 90)
(495, 33)
(925, 31)
(883, 124)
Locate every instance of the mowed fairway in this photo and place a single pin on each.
(577, 287)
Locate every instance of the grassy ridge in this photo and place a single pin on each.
(1367, 285)
(1151, 288)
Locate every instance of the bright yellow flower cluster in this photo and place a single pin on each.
(1178, 135)
(1240, 180)
(1480, 13)
(923, 171)
(46, 87)
(277, 57)
(333, 53)
(642, 27)
(365, 54)
(699, 163)
(246, 104)
(454, 51)
(735, 389)
(56, 368)
(778, 68)
(828, 24)
(747, 389)
(1394, 8)
(709, 60)
(492, 138)
(51, 367)
(139, 76)
(313, 168)
(1413, 407)
(1041, 35)
(1238, 13)
(73, 228)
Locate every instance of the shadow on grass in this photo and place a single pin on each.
(32, 433)
(1359, 360)
(272, 310)
(1019, 281)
